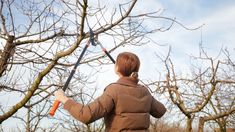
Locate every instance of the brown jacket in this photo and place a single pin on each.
(125, 106)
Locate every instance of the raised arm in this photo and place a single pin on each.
(90, 112)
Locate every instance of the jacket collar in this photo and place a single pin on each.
(128, 81)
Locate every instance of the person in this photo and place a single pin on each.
(125, 105)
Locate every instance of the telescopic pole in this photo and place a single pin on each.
(57, 103)
(106, 52)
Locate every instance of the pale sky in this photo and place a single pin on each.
(217, 16)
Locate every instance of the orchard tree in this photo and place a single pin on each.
(41, 40)
(204, 94)
(221, 107)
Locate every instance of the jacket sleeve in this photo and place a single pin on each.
(157, 109)
(92, 111)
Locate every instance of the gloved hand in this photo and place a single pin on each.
(60, 96)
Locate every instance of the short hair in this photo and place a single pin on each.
(127, 63)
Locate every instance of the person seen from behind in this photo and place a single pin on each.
(125, 105)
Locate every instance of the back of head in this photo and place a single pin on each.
(128, 64)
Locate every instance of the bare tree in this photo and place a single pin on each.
(208, 89)
(221, 107)
(40, 41)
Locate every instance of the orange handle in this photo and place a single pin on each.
(54, 108)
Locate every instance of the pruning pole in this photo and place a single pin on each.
(57, 103)
(106, 52)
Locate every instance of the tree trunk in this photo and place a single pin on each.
(201, 124)
(222, 127)
(189, 124)
(28, 120)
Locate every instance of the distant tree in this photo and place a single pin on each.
(207, 93)
(221, 107)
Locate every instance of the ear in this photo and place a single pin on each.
(116, 69)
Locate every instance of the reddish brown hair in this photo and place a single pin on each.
(127, 63)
